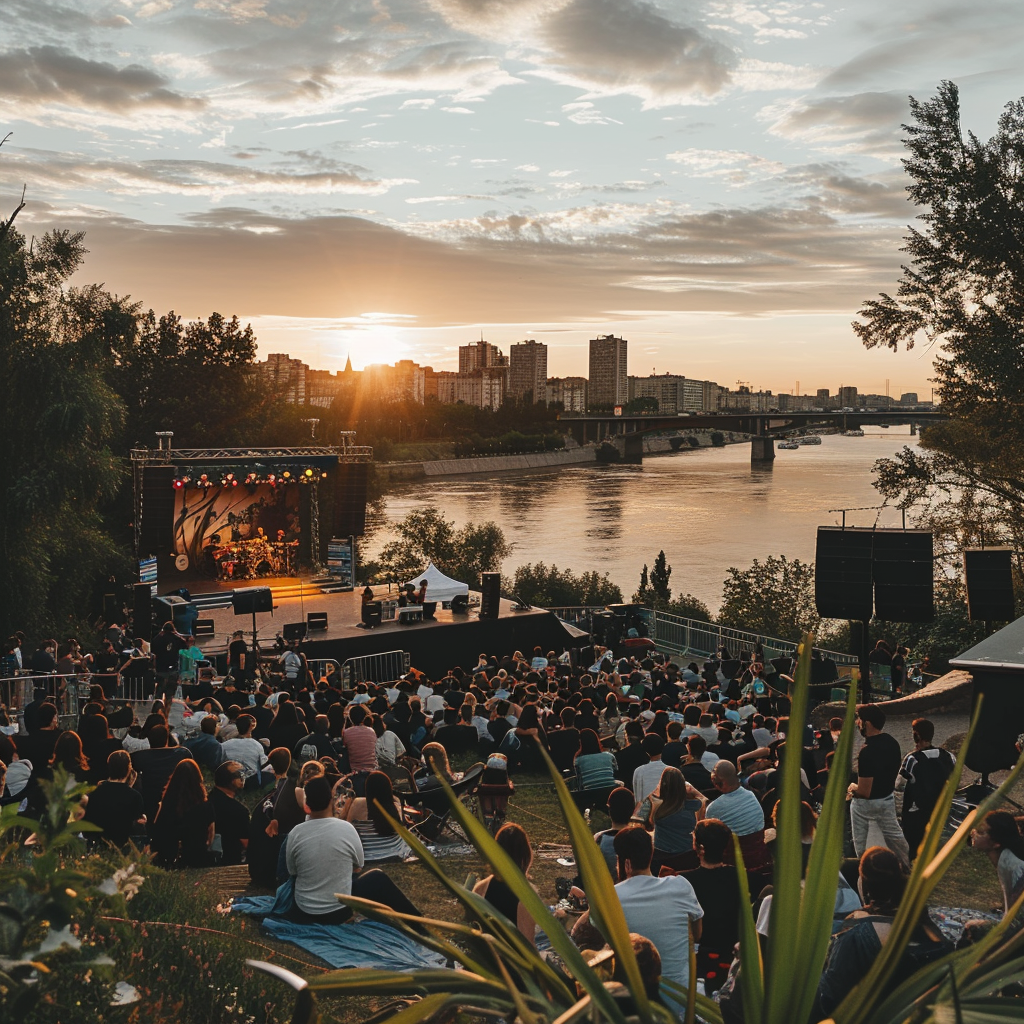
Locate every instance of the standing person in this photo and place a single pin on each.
(187, 658)
(922, 778)
(230, 818)
(166, 647)
(871, 796)
(239, 658)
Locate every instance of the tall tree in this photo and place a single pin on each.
(774, 597)
(962, 292)
(661, 573)
(57, 422)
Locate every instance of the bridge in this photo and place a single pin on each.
(764, 427)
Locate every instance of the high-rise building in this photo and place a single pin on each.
(609, 383)
(528, 371)
(908, 398)
(848, 398)
(823, 399)
(675, 393)
(480, 355)
(286, 376)
(569, 392)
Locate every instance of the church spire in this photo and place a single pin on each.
(348, 364)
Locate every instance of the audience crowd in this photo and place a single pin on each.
(681, 759)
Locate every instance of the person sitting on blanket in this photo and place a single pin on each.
(324, 856)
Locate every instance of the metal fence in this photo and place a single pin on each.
(376, 668)
(679, 635)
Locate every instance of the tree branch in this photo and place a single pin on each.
(5, 226)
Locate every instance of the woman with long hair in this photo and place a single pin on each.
(286, 729)
(68, 754)
(595, 768)
(675, 808)
(435, 757)
(97, 745)
(183, 828)
(515, 842)
(532, 737)
(999, 836)
(369, 816)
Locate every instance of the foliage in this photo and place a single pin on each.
(690, 607)
(511, 443)
(551, 587)
(426, 536)
(654, 589)
(54, 929)
(717, 439)
(962, 291)
(58, 421)
(774, 597)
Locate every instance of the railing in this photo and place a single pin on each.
(680, 635)
(376, 668)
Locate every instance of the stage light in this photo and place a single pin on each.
(203, 479)
(309, 472)
(234, 483)
(271, 478)
(323, 476)
(286, 474)
(230, 476)
(178, 484)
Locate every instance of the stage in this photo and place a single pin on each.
(433, 645)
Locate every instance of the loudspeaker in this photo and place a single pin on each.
(316, 620)
(171, 608)
(460, 604)
(351, 480)
(373, 613)
(490, 594)
(903, 572)
(842, 573)
(1000, 721)
(252, 599)
(142, 611)
(294, 631)
(203, 627)
(156, 528)
(989, 575)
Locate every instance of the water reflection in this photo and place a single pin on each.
(707, 509)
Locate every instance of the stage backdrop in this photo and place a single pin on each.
(232, 513)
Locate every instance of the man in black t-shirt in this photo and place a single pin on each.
(166, 646)
(564, 743)
(155, 766)
(922, 778)
(114, 806)
(231, 819)
(239, 657)
(105, 668)
(872, 800)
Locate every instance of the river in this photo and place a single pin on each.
(708, 509)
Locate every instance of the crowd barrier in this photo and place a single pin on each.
(376, 668)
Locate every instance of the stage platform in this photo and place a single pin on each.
(434, 645)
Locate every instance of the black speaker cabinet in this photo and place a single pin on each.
(460, 604)
(490, 594)
(1000, 723)
(142, 611)
(903, 571)
(294, 631)
(316, 620)
(252, 599)
(842, 573)
(989, 575)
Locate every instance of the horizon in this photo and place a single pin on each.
(717, 183)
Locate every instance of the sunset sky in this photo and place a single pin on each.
(718, 182)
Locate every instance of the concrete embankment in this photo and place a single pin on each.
(487, 464)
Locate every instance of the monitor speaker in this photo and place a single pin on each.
(490, 594)
(903, 571)
(316, 620)
(294, 631)
(460, 604)
(251, 600)
(842, 573)
(989, 575)
(142, 611)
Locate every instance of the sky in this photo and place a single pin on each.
(718, 182)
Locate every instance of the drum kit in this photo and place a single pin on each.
(256, 558)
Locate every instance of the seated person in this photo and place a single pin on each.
(620, 811)
(514, 841)
(230, 817)
(114, 806)
(325, 856)
(205, 748)
(564, 742)
(369, 815)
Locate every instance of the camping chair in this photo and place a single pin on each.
(401, 778)
(435, 800)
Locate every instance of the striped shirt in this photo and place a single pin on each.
(596, 771)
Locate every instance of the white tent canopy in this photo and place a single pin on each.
(439, 587)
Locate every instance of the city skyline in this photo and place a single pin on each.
(383, 179)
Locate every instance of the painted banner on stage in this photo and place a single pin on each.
(238, 533)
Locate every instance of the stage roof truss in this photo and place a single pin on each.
(319, 455)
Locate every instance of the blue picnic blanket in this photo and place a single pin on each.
(355, 944)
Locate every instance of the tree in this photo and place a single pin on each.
(426, 536)
(962, 292)
(774, 597)
(690, 607)
(654, 588)
(643, 593)
(551, 587)
(58, 420)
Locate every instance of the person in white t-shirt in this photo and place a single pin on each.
(325, 856)
(248, 752)
(647, 776)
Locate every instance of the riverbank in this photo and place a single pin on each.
(571, 455)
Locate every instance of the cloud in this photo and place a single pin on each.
(45, 75)
(867, 122)
(727, 165)
(302, 173)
